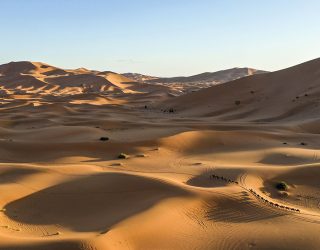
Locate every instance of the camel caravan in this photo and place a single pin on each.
(213, 176)
(272, 203)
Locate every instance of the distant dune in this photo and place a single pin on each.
(139, 77)
(32, 77)
(95, 160)
(43, 79)
(196, 82)
(217, 77)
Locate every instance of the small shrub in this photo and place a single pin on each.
(141, 155)
(123, 156)
(281, 186)
(237, 102)
(117, 164)
(104, 138)
(284, 194)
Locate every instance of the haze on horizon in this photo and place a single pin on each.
(160, 38)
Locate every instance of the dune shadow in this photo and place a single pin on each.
(283, 159)
(15, 174)
(51, 245)
(204, 180)
(91, 203)
(306, 175)
(26, 152)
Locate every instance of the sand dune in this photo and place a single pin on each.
(218, 77)
(39, 78)
(289, 94)
(182, 85)
(197, 171)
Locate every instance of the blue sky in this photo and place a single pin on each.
(163, 38)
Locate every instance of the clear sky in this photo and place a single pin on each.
(160, 37)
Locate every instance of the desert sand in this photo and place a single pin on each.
(198, 171)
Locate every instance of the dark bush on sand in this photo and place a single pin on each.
(123, 156)
(281, 186)
(104, 138)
